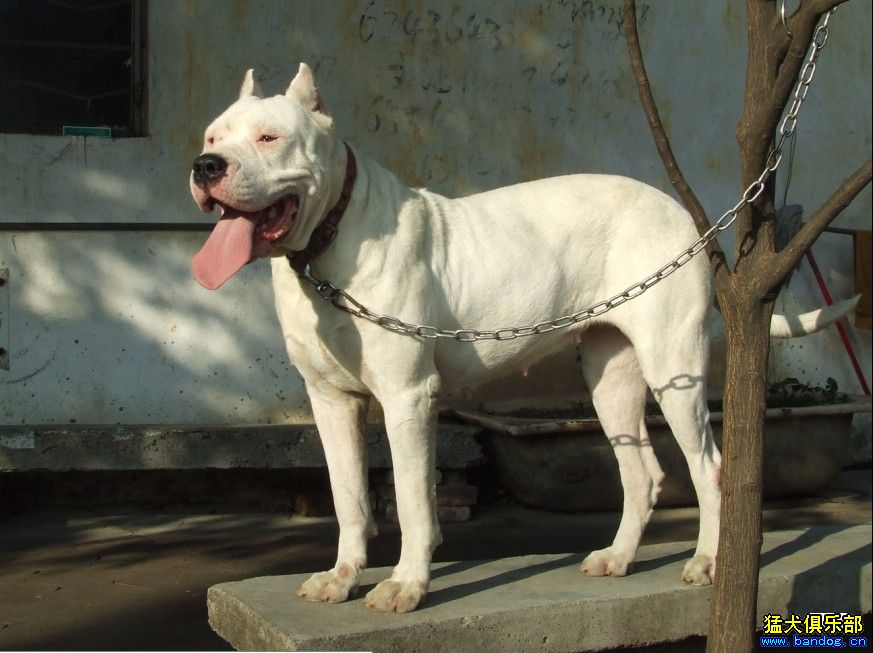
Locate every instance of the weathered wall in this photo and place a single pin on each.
(105, 328)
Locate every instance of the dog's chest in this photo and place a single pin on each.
(316, 340)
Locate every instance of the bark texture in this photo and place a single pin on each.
(735, 588)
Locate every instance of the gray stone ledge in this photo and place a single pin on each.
(125, 447)
(543, 603)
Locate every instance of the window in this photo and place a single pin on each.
(74, 63)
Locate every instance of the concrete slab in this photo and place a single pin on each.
(543, 603)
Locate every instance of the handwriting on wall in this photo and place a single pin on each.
(466, 96)
(506, 77)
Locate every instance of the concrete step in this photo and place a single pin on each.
(543, 603)
(197, 446)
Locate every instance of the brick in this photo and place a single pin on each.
(448, 514)
(314, 504)
(455, 476)
(456, 495)
(445, 514)
(390, 477)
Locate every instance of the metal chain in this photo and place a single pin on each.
(345, 302)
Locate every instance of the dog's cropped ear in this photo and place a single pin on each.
(249, 86)
(304, 89)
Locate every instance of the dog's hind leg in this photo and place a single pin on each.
(340, 418)
(618, 391)
(675, 370)
(410, 419)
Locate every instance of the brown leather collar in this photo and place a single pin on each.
(326, 231)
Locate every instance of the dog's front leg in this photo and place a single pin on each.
(340, 417)
(410, 419)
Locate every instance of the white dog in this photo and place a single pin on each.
(512, 256)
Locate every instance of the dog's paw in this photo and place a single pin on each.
(606, 562)
(329, 587)
(396, 596)
(700, 570)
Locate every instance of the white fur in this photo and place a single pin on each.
(783, 326)
(511, 256)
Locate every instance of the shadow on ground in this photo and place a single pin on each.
(128, 579)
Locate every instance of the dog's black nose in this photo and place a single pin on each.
(208, 167)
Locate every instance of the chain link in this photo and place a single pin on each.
(345, 302)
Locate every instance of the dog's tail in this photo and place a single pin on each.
(793, 326)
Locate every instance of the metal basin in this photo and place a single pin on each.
(568, 465)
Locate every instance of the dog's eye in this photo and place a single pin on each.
(211, 140)
(266, 138)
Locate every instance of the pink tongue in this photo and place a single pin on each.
(228, 249)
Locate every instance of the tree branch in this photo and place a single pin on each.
(662, 142)
(822, 6)
(787, 259)
(791, 53)
(754, 224)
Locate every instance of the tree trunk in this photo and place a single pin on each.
(747, 309)
(732, 614)
(776, 54)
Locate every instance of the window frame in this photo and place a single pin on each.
(137, 126)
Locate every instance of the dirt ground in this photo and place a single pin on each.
(131, 579)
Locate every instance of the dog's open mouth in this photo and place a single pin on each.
(240, 237)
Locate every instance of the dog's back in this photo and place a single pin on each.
(530, 252)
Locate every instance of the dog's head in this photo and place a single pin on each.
(266, 164)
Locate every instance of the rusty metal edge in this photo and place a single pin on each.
(519, 426)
